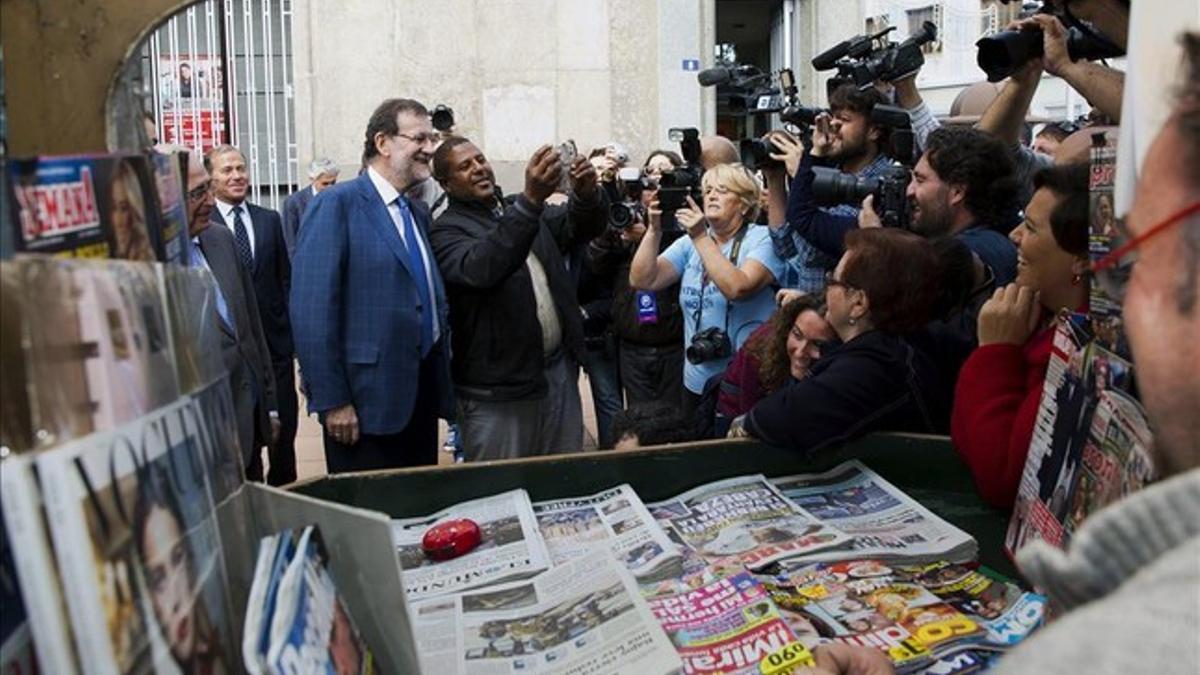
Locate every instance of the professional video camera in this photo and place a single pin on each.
(831, 186)
(864, 59)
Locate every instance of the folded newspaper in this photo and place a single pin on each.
(511, 547)
(740, 523)
(585, 616)
(884, 522)
(615, 520)
(728, 626)
(295, 620)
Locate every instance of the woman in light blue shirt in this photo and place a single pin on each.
(726, 267)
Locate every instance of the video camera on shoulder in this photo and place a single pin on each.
(866, 59)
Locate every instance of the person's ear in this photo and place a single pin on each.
(956, 195)
(381, 143)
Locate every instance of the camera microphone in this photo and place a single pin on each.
(828, 59)
(714, 76)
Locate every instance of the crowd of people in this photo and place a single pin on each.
(420, 290)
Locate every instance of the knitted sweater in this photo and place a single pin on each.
(1130, 585)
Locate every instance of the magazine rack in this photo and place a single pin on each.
(925, 467)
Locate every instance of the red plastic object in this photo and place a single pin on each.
(451, 539)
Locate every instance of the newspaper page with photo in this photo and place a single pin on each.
(615, 519)
(744, 522)
(511, 547)
(728, 626)
(138, 550)
(582, 617)
(884, 522)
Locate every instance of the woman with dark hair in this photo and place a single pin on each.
(1000, 385)
(169, 569)
(880, 293)
(660, 162)
(782, 349)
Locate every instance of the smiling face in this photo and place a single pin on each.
(929, 198)
(231, 180)
(805, 341)
(169, 577)
(406, 155)
(1042, 265)
(469, 176)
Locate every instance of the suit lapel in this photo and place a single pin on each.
(258, 220)
(380, 219)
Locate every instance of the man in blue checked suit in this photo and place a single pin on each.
(368, 308)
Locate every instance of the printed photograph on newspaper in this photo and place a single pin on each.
(511, 547)
(746, 519)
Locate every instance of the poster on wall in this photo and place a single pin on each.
(190, 88)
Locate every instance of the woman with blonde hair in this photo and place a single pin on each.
(127, 216)
(725, 265)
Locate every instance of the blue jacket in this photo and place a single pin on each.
(355, 310)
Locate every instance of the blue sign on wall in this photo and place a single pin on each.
(691, 64)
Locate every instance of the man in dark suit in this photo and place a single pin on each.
(243, 346)
(368, 306)
(258, 236)
(322, 173)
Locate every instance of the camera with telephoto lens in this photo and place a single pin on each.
(890, 188)
(1002, 54)
(442, 117)
(865, 59)
(710, 344)
(625, 197)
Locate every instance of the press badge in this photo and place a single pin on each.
(647, 306)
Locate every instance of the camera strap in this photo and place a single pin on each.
(733, 258)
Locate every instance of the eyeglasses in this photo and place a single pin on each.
(830, 281)
(1112, 272)
(197, 193)
(423, 138)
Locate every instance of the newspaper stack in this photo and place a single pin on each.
(511, 547)
(885, 523)
(727, 526)
(920, 616)
(585, 616)
(614, 520)
(728, 626)
(295, 621)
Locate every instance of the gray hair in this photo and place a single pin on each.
(320, 166)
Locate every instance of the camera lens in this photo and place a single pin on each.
(619, 216)
(831, 186)
(1001, 54)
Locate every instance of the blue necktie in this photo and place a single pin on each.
(417, 264)
(198, 261)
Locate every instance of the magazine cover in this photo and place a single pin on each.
(311, 631)
(511, 547)
(135, 537)
(17, 653)
(172, 206)
(95, 206)
(744, 521)
(883, 521)
(581, 617)
(615, 519)
(1106, 233)
(728, 626)
(1054, 470)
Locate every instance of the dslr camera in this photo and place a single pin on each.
(674, 187)
(625, 197)
(710, 344)
(864, 59)
(890, 189)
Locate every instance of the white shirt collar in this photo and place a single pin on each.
(386, 190)
(226, 209)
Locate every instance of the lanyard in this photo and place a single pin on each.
(733, 258)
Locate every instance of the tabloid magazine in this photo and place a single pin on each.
(615, 519)
(138, 551)
(728, 626)
(918, 614)
(584, 616)
(295, 620)
(89, 206)
(511, 547)
(883, 521)
(1091, 441)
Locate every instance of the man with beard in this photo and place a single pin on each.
(515, 322)
(962, 186)
(368, 307)
(844, 139)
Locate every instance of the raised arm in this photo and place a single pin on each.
(650, 271)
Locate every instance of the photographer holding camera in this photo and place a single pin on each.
(846, 139)
(725, 267)
(648, 325)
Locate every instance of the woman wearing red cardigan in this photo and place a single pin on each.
(1000, 385)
